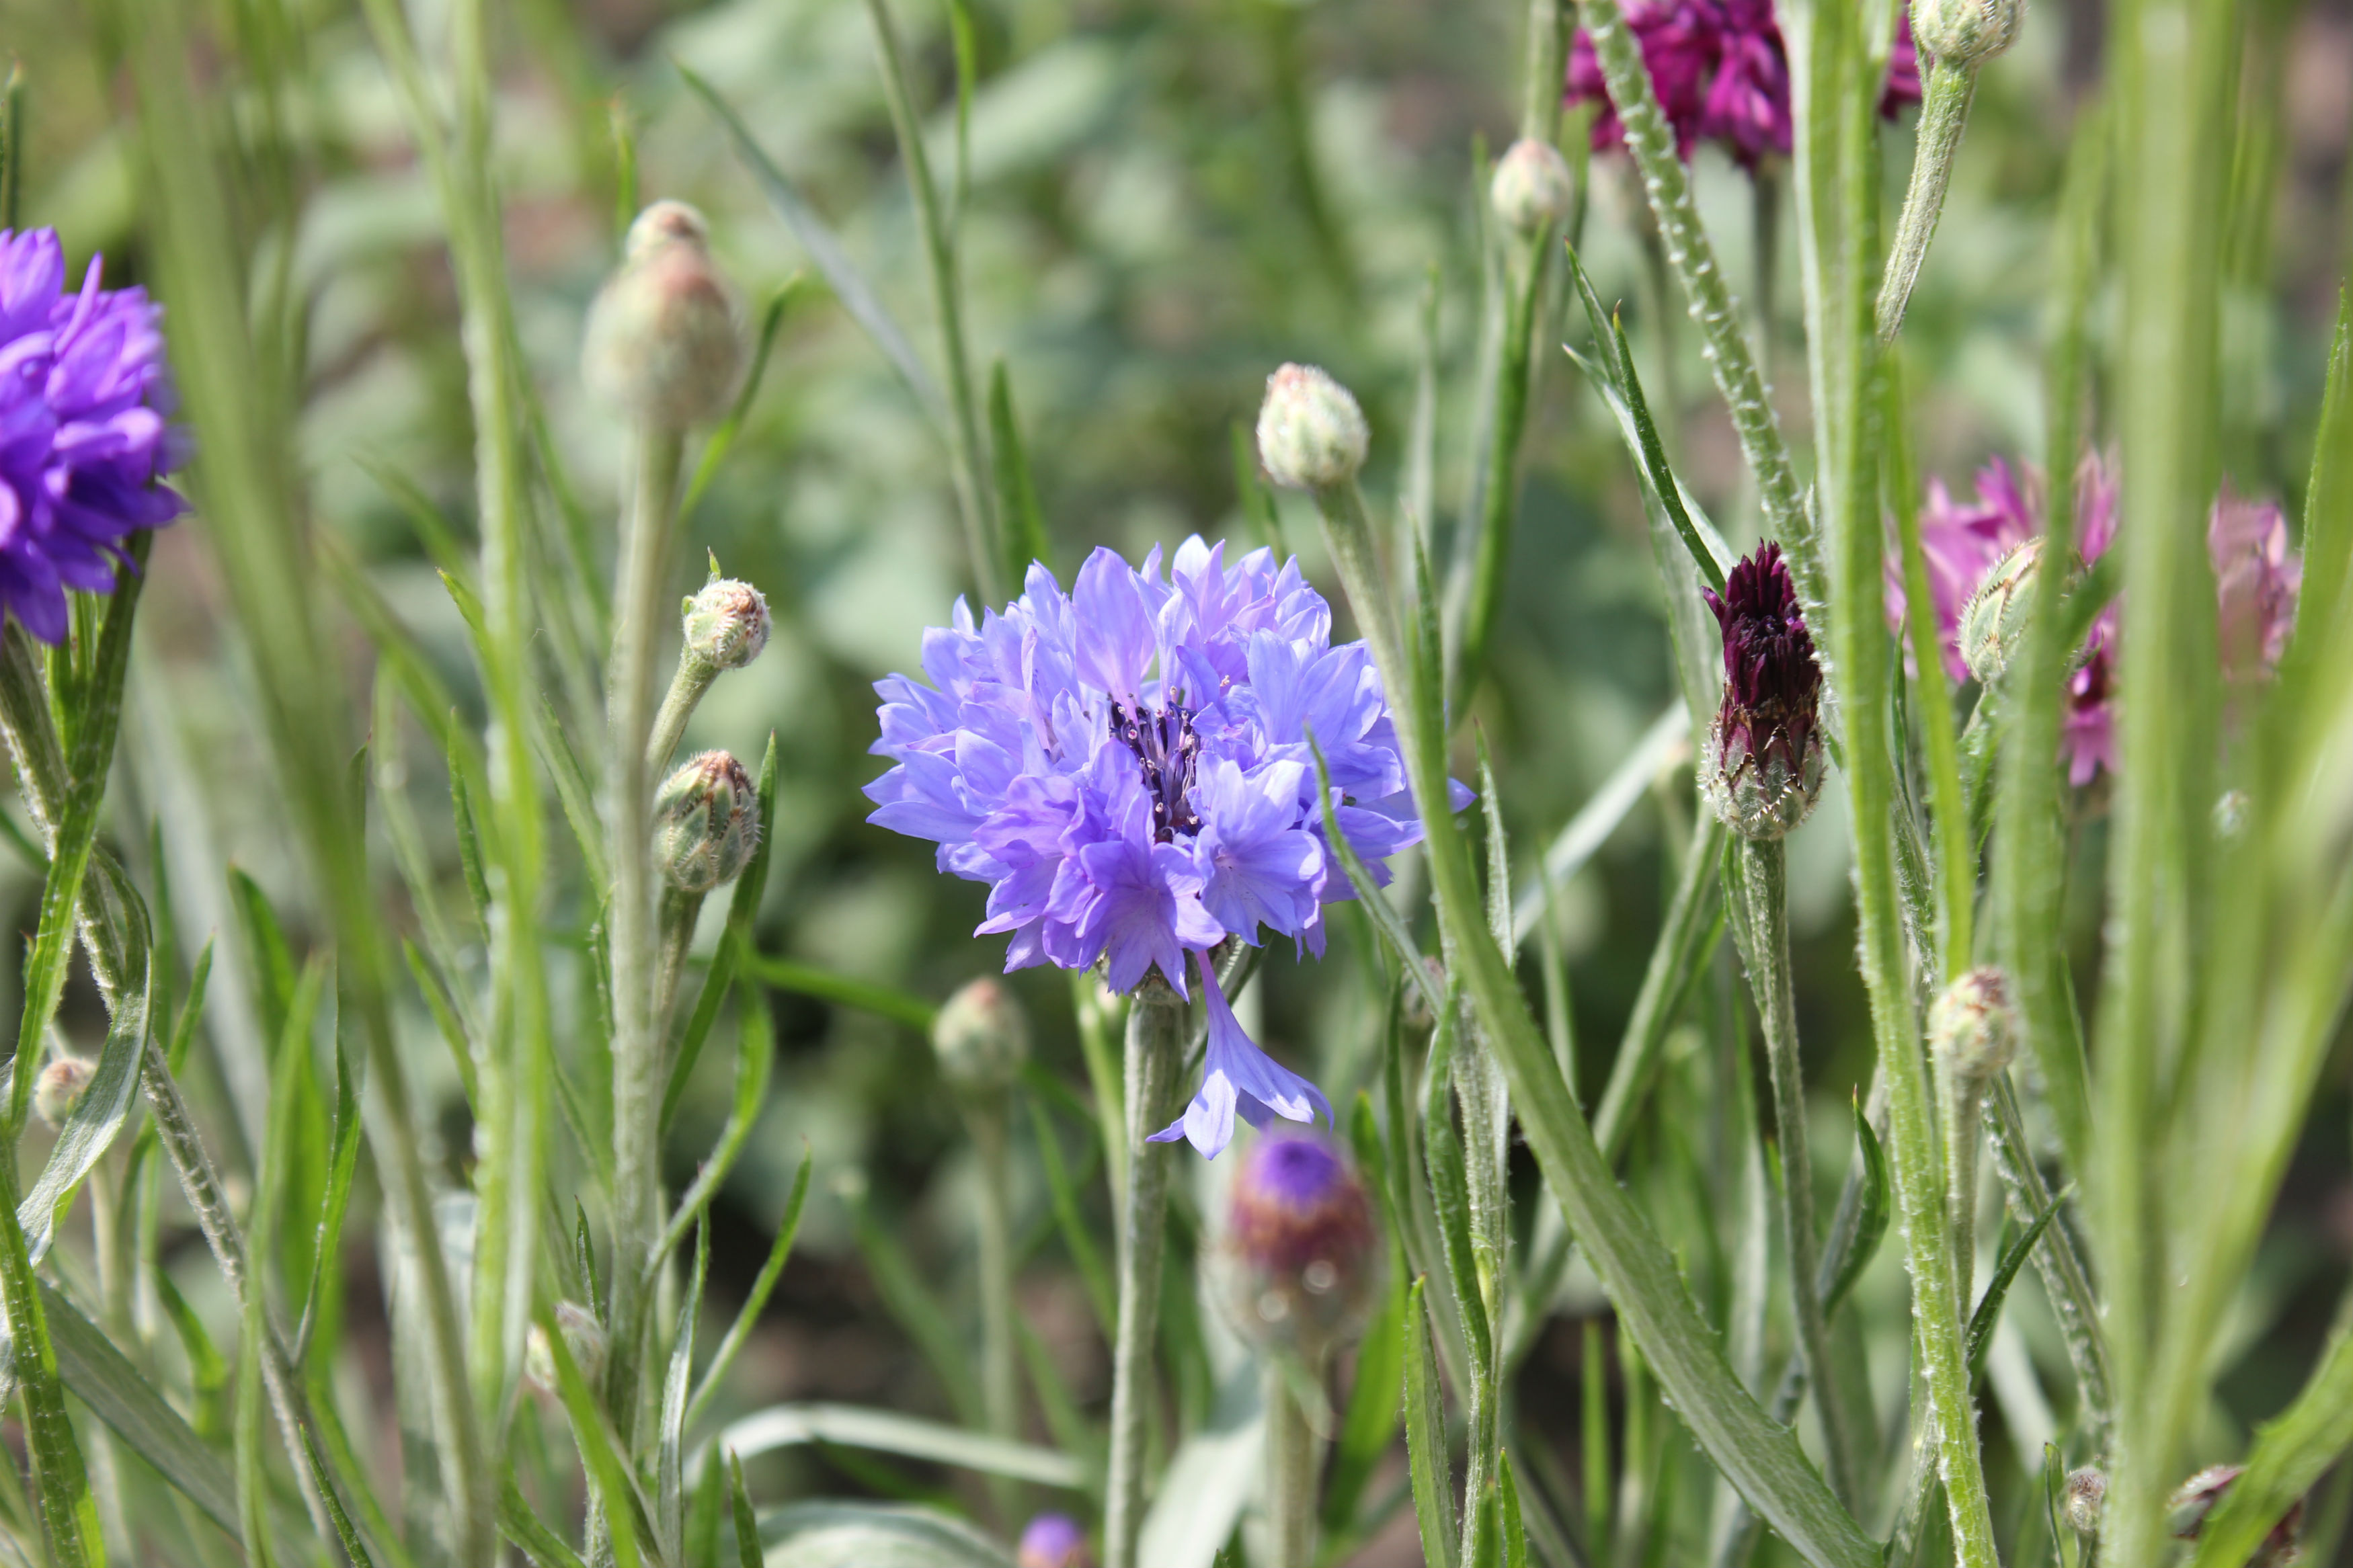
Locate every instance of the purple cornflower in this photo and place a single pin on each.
(1053, 1541)
(1762, 766)
(2256, 581)
(85, 439)
(1298, 1253)
(1128, 767)
(1720, 72)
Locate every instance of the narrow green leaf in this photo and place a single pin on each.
(1499, 860)
(442, 1003)
(670, 1455)
(747, 1526)
(748, 1316)
(577, 795)
(1425, 1437)
(98, 1119)
(723, 437)
(1369, 896)
(2291, 1451)
(755, 1056)
(207, 1371)
(2013, 1257)
(832, 1534)
(120, 1396)
(519, 1524)
(1871, 1225)
(1450, 1186)
(629, 1524)
(251, 1459)
(1593, 1389)
(1516, 1534)
(1375, 1400)
(343, 1164)
(909, 1436)
(355, 1551)
(808, 980)
(917, 1306)
(1486, 1532)
(469, 833)
(1017, 487)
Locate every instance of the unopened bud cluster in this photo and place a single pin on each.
(1298, 1260)
(1966, 32)
(1532, 188)
(1762, 765)
(706, 823)
(1311, 434)
(1993, 621)
(1973, 1027)
(665, 338)
(982, 1038)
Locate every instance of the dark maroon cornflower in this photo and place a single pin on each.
(1298, 1244)
(85, 432)
(1763, 765)
(1721, 72)
(1053, 1541)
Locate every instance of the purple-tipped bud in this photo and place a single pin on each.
(726, 625)
(1054, 1541)
(2203, 1492)
(61, 1086)
(1532, 188)
(706, 823)
(665, 340)
(982, 1037)
(1973, 1027)
(1762, 767)
(2087, 1493)
(1311, 434)
(1299, 1254)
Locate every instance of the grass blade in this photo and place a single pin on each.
(532, 1539)
(670, 1458)
(1425, 1435)
(1870, 1223)
(2013, 1258)
(755, 1055)
(911, 1436)
(747, 1525)
(762, 1286)
(1017, 487)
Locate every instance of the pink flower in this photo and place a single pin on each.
(2256, 577)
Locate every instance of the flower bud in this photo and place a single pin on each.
(1973, 1026)
(727, 623)
(706, 823)
(2087, 1492)
(665, 340)
(61, 1086)
(1762, 766)
(982, 1037)
(1994, 619)
(1297, 1263)
(584, 1336)
(1966, 32)
(1053, 1541)
(1532, 187)
(1311, 434)
(2201, 1493)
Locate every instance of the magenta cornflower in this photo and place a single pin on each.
(2256, 579)
(1722, 74)
(1128, 767)
(1053, 1541)
(85, 434)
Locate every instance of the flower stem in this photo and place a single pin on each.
(637, 1045)
(1944, 114)
(1499, 495)
(687, 687)
(1294, 1460)
(1155, 1055)
(1000, 1387)
(1764, 884)
(2066, 1280)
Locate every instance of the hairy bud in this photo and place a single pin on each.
(583, 1336)
(982, 1037)
(727, 623)
(61, 1086)
(1966, 32)
(665, 337)
(1298, 1259)
(706, 823)
(2203, 1492)
(1973, 1024)
(2087, 1493)
(1532, 187)
(1762, 766)
(1994, 619)
(1311, 434)
(1053, 1541)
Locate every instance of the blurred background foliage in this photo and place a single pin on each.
(1166, 198)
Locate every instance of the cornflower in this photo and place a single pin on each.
(1722, 73)
(1129, 768)
(85, 433)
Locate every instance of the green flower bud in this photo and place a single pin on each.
(982, 1037)
(665, 338)
(584, 1336)
(1311, 434)
(727, 623)
(1994, 619)
(1966, 32)
(1532, 187)
(2087, 1492)
(1973, 1024)
(706, 823)
(61, 1086)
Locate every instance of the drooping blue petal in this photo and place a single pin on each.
(1237, 1079)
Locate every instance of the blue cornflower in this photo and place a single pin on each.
(85, 438)
(1128, 767)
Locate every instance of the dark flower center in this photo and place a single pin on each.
(1168, 750)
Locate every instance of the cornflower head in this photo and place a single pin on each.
(1762, 767)
(1053, 1541)
(1298, 1258)
(1722, 74)
(1977, 550)
(86, 439)
(1129, 767)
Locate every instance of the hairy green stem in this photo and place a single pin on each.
(1485, 1101)
(2066, 1283)
(637, 1068)
(688, 684)
(986, 1119)
(1294, 1461)
(675, 935)
(1944, 114)
(1155, 1055)
(1765, 894)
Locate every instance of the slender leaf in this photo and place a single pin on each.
(1369, 896)
(576, 794)
(1871, 1222)
(671, 1456)
(808, 980)
(1250, 494)
(98, 1119)
(747, 1527)
(1071, 1225)
(723, 438)
(888, 1432)
(631, 1520)
(2013, 1258)
(748, 1316)
(755, 1058)
(1425, 1437)
(1449, 1185)
(1017, 488)
(874, 1535)
(519, 1524)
